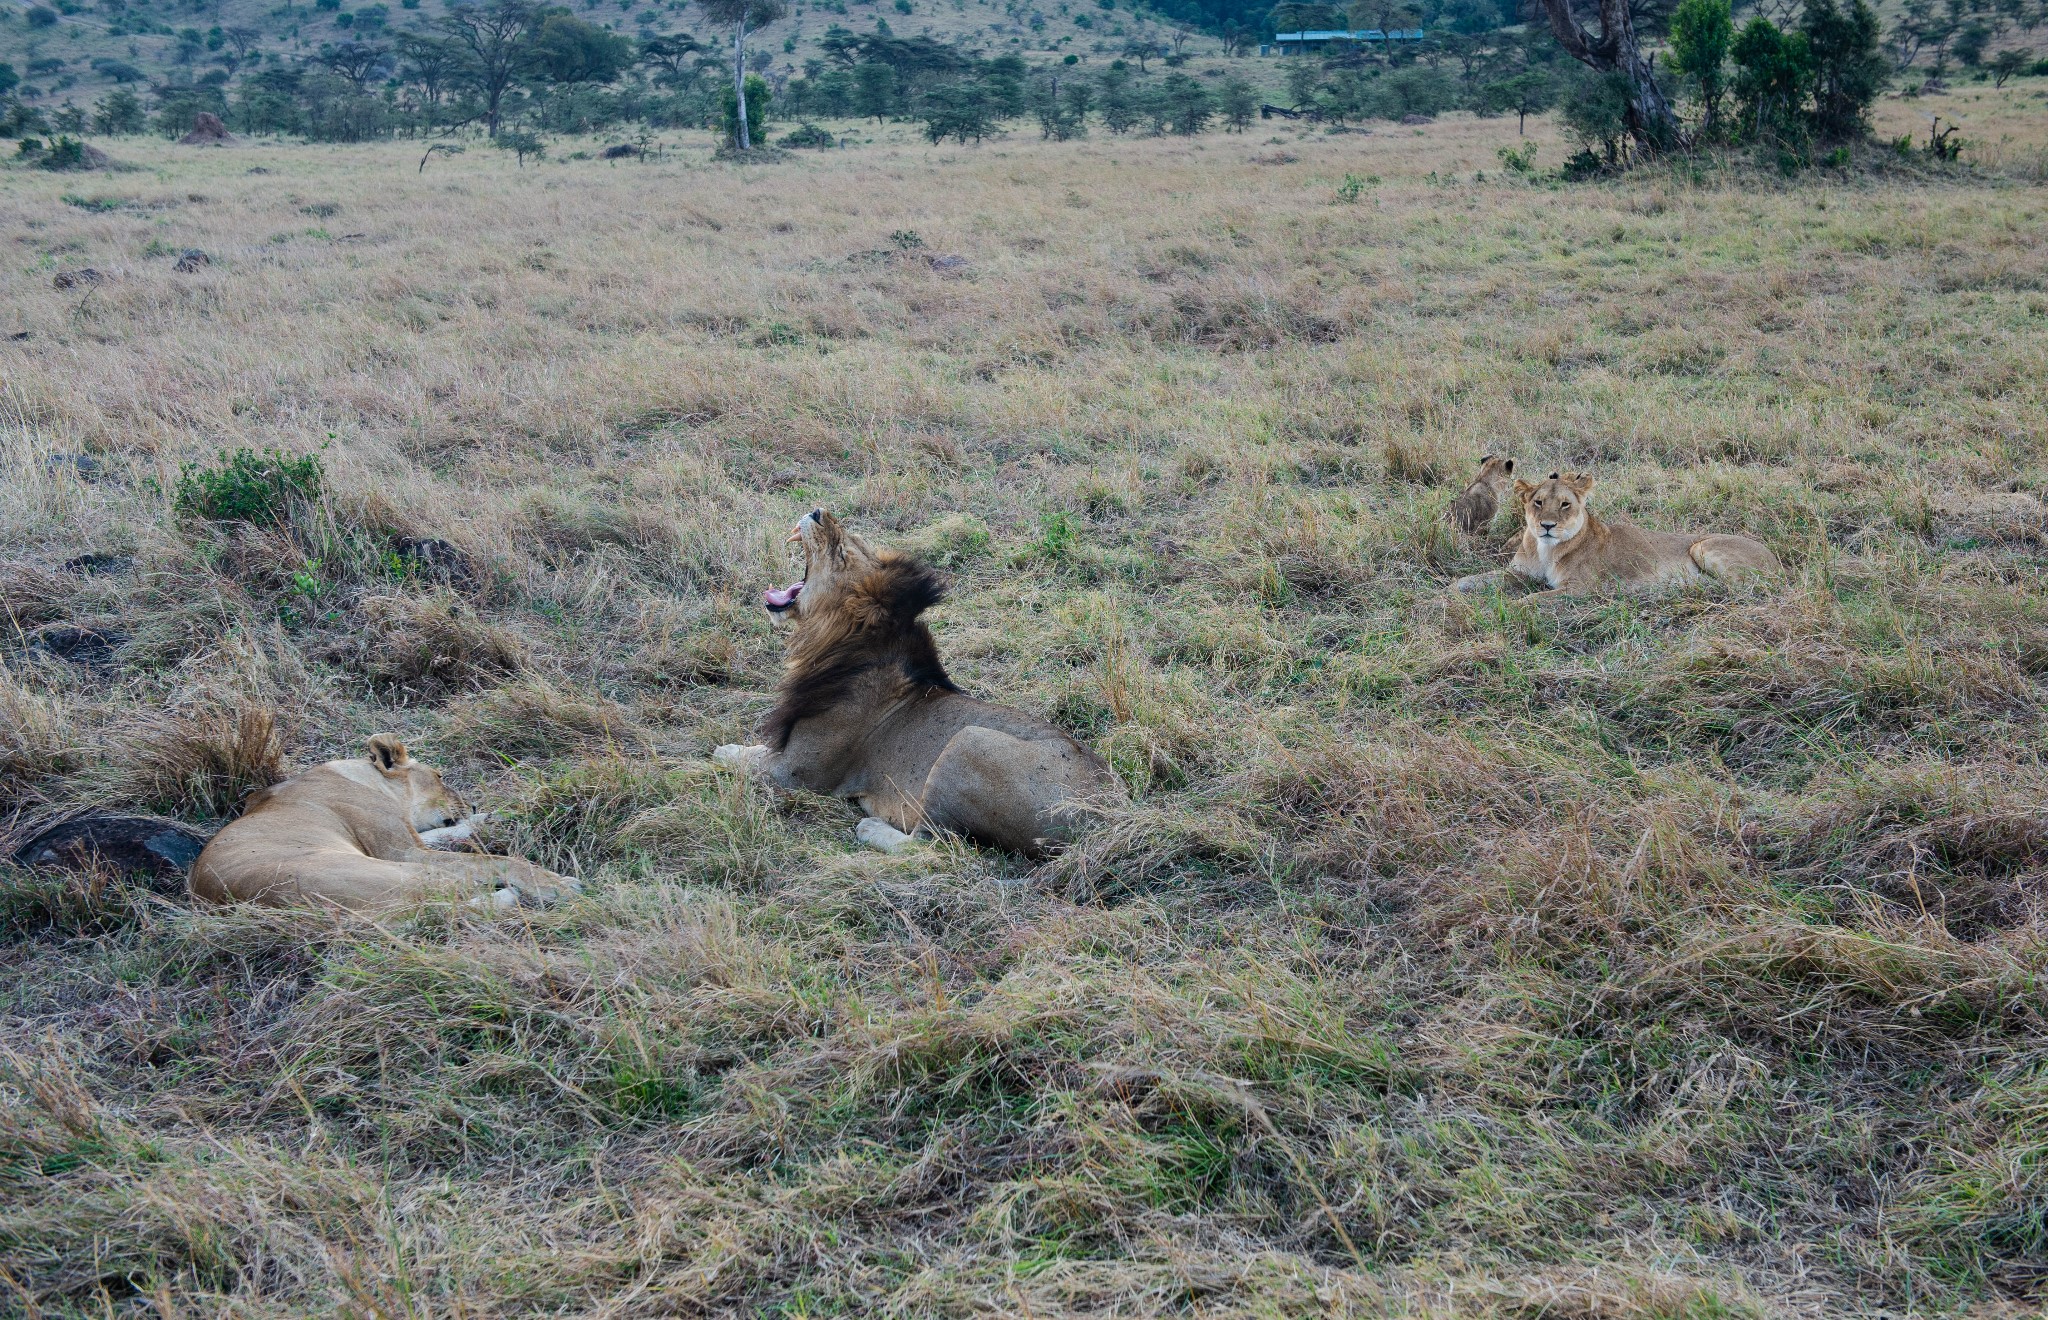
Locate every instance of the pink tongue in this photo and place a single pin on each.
(778, 598)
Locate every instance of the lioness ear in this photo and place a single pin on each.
(1507, 466)
(387, 752)
(1581, 483)
(1524, 489)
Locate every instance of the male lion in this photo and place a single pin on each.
(1566, 548)
(1472, 512)
(865, 711)
(352, 835)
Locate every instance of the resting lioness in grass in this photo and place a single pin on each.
(865, 711)
(354, 835)
(1566, 548)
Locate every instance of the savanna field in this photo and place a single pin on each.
(1671, 956)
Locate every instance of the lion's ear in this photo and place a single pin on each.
(387, 752)
(1524, 489)
(834, 534)
(1581, 483)
(1507, 466)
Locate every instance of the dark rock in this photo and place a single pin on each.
(160, 850)
(21, 335)
(1413, 120)
(946, 262)
(92, 647)
(257, 169)
(193, 259)
(95, 562)
(622, 151)
(83, 278)
(784, 479)
(85, 466)
(436, 558)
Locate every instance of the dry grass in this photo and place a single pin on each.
(1676, 956)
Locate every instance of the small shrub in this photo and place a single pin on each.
(66, 153)
(521, 145)
(1349, 190)
(1521, 160)
(809, 135)
(248, 487)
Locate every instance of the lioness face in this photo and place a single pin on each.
(429, 803)
(831, 555)
(1554, 509)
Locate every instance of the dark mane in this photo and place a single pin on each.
(873, 626)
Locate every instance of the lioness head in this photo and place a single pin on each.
(1554, 509)
(832, 555)
(429, 803)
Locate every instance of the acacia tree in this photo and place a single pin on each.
(670, 52)
(742, 15)
(1616, 49)
(357, 61)
(496, 41)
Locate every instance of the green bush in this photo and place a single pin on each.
(66, 153)
(758, 96)
(808, 135)
(248, 487)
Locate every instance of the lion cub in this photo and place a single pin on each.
(1473, 512)
(865, 711)
(1566, 548)
(349, 835)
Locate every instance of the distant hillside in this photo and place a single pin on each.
(89, 49)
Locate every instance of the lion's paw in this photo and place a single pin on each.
(878, 833)
(739, 756)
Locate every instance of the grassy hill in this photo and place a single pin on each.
(1666, 956)
(298, 30)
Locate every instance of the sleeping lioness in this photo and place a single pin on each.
(1566, 548)
(865, 711)
(353, 835)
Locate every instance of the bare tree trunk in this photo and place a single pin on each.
(1651, 121)
(739, 81)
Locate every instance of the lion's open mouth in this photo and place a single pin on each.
(779, 599)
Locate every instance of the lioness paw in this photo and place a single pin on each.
(878, 833)
(507, 897)
(449, 837)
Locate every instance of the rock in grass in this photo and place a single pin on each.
(192, 259)
(91, 647)
(160, 851)
(94, 562)
(436, 558)
(85, 277)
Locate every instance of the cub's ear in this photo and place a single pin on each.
(1485, 461)
(1581, 483)
(1524, 489)
(387, 753)
(1507, 465)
